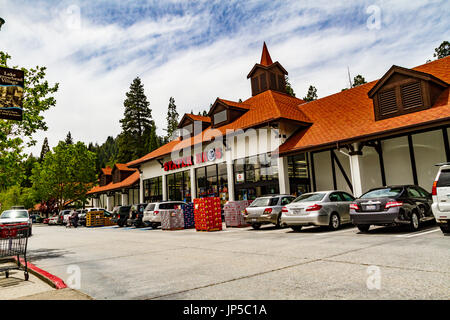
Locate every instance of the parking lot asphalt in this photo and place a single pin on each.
(242, 263)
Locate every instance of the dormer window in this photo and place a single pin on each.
(401, 91)
(186, 125)
(224, 111)
(220, 117)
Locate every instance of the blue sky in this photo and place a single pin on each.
(196, 51)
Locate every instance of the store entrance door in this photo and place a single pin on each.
(253, 191)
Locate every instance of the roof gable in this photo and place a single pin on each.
(411, 73)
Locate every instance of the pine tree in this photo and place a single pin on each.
(69, 139)
(137, 120)
(172, 119)
(311, 95)
(442, 51)
(289, 89)
(44, 150)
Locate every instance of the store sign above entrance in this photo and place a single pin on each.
(207, 156)
(11, 93)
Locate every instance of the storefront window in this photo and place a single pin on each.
(255, 176)
(152, 190)
(178, 186)
(212, 181)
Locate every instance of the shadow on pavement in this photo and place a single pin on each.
(39, 254)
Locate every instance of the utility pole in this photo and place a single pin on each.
(349, 78)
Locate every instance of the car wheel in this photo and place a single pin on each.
(335, 221)
(154, 226)
(256, 226)
(278, 224)
(296, 228)
(445, 228)
(414, 222)
(363, 227)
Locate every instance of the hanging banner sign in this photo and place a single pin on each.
(11, 93)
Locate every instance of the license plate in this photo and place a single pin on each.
(253, 220)
(297, 211)
(372, 207)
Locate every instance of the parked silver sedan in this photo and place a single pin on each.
(326, 208)
(267, 209)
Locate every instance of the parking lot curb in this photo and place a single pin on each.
(45, 276)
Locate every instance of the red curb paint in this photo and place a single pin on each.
(57, 282)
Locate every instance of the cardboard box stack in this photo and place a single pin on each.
(188, 212)
(233, 213)
(207, 214)
(172, 219)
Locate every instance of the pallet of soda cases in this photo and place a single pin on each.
(207, 214)
(188, 213)
(172, 219)
(233, 212)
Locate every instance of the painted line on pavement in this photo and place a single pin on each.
(417, 234)
(335, 232)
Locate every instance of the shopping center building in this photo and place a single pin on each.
(386, 132)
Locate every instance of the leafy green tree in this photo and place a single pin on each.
(15, 135)
(311, 95)
(137, 119)
(28, 166)
(289, 89)
(66, 173)
(442, 51)
(358, 80)
(172, 119)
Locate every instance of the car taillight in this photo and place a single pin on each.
(267, 210)
(354, 206)
(156, 212)
(434, 189)
(245, 211)
(393, 204)
(314, 207)
(284, 209)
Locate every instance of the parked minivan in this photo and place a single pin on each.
(151, 213)
(441, 197)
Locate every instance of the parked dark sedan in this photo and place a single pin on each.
(393, 205)
(123, 215)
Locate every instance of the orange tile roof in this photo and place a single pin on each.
(262, 108)
(128, 182)
(349, 114)
(123, 167)
(198, 117)
(107, 170)
(266, 60)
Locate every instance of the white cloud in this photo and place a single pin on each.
(314, 41)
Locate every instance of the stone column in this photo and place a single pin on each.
(141, 188)
(164, 187)
(283, 175)
(355, 168)
(125, 199)
(193, 184)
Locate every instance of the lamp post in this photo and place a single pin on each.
(2, 22)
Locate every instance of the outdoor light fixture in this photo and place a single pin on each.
(2, 22)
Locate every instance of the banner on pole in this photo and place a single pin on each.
(11, 93)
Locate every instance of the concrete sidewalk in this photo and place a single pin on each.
(16, 288)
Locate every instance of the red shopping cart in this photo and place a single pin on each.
(13, 243)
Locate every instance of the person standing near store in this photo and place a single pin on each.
(75, 218)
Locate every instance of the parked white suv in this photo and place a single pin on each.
(151, 212)
(441, 197)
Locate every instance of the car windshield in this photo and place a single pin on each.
(264, 202)
(14, 214)
(382, 193)
(310, 197)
